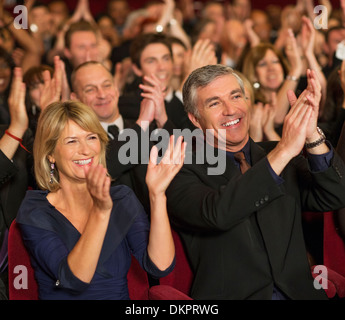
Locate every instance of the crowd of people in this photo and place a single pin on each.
(77, 88)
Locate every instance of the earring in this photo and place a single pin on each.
(256, 85)
(52, 166)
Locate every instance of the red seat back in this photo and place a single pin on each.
(181, 277)
(334, 246)
(22, 282)
(138, 283)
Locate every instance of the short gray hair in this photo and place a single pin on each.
(200, 78)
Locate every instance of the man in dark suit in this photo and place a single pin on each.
(243, 231)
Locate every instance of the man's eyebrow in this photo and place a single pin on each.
(150, 58)
(209, 100)
(95, 85)
(238, 90)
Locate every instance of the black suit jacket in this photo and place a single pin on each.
(15, 177)
(133, 173)
(243, 233)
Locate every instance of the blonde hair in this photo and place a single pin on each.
(51, 123)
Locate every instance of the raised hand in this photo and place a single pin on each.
(293, 55)
(300, 122)
(308, 34)
(52, 87)
(19, 119)
(16, 102)
(154, 91)
(268, 119)
(159, 175)
(311, 96)
(98, 184)
(203, 53)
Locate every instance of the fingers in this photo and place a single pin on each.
(175, 153)
(97, 180)
(153, 88)
(153, 156)
(57, 76)
(203, 53)
(17, 84)
(291, 97)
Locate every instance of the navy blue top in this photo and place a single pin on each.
(49, 237)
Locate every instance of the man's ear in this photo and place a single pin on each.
(136, 70)
(74, 96)
(194, 120)
(67, 53)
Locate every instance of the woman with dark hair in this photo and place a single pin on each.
(269, 72)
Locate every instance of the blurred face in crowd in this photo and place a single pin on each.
(35, 93)
(209, 31)
(41, 17)
(262, 26)
(5, 75)
(269, 71)
(93, 85)
(334, 38)
(6, 40)
(83, 47)
(215, 12)
(241, 9)
(118, 11)
(179, 53)
(156, 59)
(59, 12)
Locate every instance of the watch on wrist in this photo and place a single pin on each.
(292, 78)
(319, 141)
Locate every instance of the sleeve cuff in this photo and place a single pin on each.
(67, 280)
(321, 162)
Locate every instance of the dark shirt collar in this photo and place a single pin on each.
(245, 149)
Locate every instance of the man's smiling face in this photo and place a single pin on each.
(223, 108)
(94, 86)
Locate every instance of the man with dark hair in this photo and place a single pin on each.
(81, 45)
(333, 37)
(151, 54)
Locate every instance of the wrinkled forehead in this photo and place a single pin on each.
(219, 87)
(91, 74)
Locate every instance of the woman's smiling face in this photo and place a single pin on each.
(269, 71)
(75, 149)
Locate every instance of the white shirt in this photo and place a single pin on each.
(118, 122)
